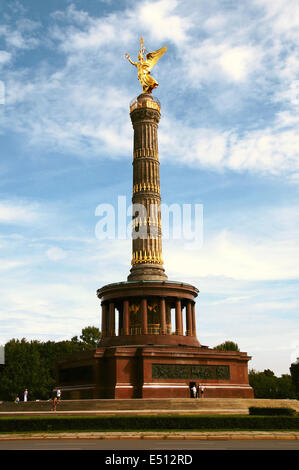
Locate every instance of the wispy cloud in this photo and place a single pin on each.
(83, 106)
(4, 57)
(18, 212)
(20, 37)
(56, 254)
(228, 255)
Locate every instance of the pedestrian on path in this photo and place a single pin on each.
(26, 395)
(202, 391)
(54, 404)
(58, 394)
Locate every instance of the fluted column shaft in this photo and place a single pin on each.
(147, 262)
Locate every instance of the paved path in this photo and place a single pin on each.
(147, 441)
(180, 435)
(128, 412)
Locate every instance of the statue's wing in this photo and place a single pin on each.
(153, 57)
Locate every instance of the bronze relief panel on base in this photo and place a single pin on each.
(189, 371)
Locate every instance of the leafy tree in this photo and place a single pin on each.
(269, 373)
(285, 387)
(294, 369)
(267, 385)
(23, 369)
(32, 364)
(89, 337)
(228, 346)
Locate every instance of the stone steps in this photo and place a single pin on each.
(215, 405)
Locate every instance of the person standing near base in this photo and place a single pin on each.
(26, 395)
(202, 391)
(58, 394)
(54, 403)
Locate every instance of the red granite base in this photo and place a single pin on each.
(159, 372)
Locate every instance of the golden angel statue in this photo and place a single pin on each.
(144, 67)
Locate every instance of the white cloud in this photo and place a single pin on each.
(215, 23)
(282, 16)
(4, 57)
(56, 254)
(266, 151)
(84, 119)
(98, 35)
(238, 62)
(82, 108)
(47, 310)
(72, 14)
(16, 7)
(200, 146)
(17, 38)
(160, 20)
(261, 247)
(217, 59)
(229, 255)
(18, 212)
(10, 264)
(272, 150)
(84, 34)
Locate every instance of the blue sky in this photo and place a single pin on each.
(228, 139)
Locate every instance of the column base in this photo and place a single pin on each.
(147, 272)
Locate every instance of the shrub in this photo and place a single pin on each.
(147, 423)
(271, 411)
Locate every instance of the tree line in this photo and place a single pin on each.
(266, 385)
(32, 365)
